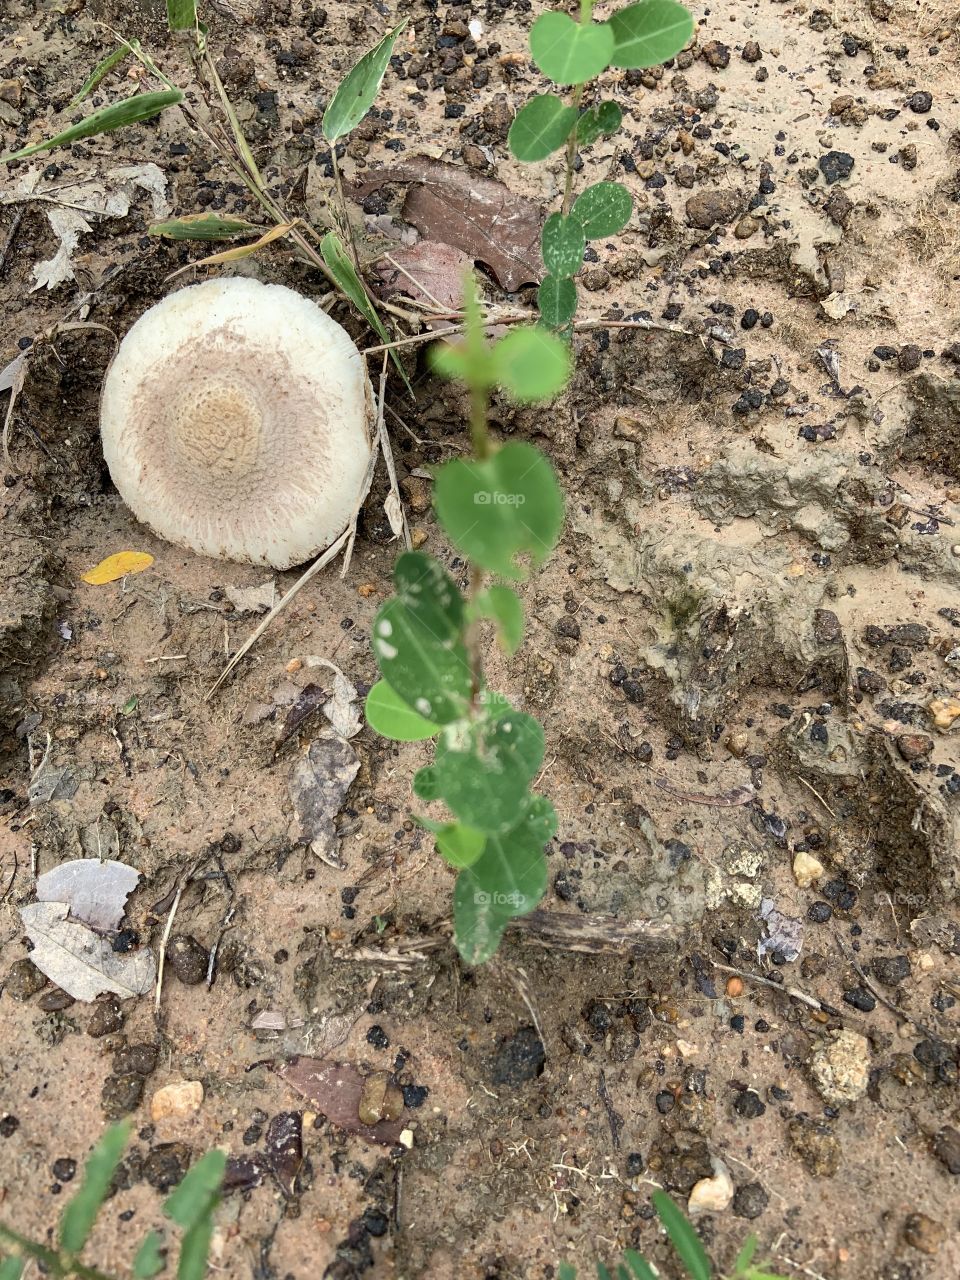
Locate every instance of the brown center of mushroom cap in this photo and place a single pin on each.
(218, 428)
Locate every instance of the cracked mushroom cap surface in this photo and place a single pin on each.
(237, 420)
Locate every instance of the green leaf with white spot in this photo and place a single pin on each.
(562, 242)
(599, 121)
(531, 365)
(417, 640)
(495, 510)
(478, 924)
(540, 128)
(391, 717)
(557, 300)
(483, 769)
(81, 1213)
(646, 34)
(503, 607)
(142, 106)
(358, 90)
(602, 210)
(569, 52)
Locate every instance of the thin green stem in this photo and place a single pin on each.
(571, 154)
(342, 206)
(479, 434)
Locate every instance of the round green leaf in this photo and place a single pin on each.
(562, 243)
(531, 364)
(478, 924)
(603, 209)
(425, 784)
(603, 119)
(494, 510)
(391, 717)
(458, 845)
(557, 300)
(646, 34)
(569, 52)
(541, 128)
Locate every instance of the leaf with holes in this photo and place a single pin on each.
(562, 243)
(569, 52)
(603, 209)
(646, 34)
(600, 121)
(540, 128)
(503, 607)
(483, 770)
(358, 90)
(557, 300)
(391, 717)
(494, 510)
(531, 364)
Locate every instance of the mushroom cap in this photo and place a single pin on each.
(236, 421)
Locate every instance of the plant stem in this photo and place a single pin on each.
(586, 13)
(342, 206)
(479, 435)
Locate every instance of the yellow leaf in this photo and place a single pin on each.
(117, 566)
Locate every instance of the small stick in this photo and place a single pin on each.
(614, 1118)
(214, 950)
(811, 787)
(387, 452)
(166, 938)
(582, 326)
(794, 992)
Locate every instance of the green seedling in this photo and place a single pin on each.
(503, 511)
(190, 1207)
(573, 54)
(688, 1248)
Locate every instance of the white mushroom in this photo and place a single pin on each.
(237, 421)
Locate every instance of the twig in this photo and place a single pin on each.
(904, 1017)
(614, 1118)
(387, 452)
(16, 868)
(182, 884)
(529, 317)
(214, 950)
(811, 787)
(794, 992)
(345, 540)
(19, 377)
(518, 979)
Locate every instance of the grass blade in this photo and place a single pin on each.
(357, 91)
(98, 75)
(199, 1190)
(182, 15)
(11, 1269)
(202, 226)
(640, 1268)
(346, 278)
(195, 1247)
(682, 1236)
(81, 1213)
(745, 1256)
(149, 1261)
(142, 106)
(242, 250)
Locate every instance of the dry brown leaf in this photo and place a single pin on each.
(482, 217)
(335, 1089)
(430, 271)
(79, 961)
(318, 788)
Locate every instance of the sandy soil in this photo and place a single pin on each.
(741, 653)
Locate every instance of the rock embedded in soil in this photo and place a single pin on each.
(749, 1105)
(806, 869)
(840, 1069)
(750, 1200)
(714, 1194)
(924, 1233)
(518, 1058)
(816, 1144)
(141, 1059)
(708, 208)
(187, 959)
(890, 970)
(167, 1164)
(107, 1017)
(836, 166)
(121, 1095)
(946, 1147)
(176, 1101)
(24, 980)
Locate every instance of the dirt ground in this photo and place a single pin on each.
(745, 652)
